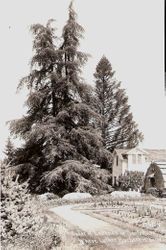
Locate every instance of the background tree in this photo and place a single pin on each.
(9, 152)
(118, 127)
(59, 128)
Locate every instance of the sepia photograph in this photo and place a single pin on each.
(83, 125)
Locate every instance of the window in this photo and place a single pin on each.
(114, 180)
(140, 159)
(125, 157)
(134, 159)
(117, 161)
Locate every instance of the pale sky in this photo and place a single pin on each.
(130, 33)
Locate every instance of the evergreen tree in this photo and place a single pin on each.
(118, 127)
(33, 128)
(59, 125)
(9, 152)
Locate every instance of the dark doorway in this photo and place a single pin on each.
(152, 182)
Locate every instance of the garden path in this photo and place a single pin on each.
(86, 232)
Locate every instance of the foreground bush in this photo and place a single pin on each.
(17, 212)
(131, 180)
(21, 220)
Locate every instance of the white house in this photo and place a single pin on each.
(134, 159)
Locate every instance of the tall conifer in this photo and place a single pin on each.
(61, 139)
(118, 127)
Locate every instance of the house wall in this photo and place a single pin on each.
(117, 169)
(128, 165)
(124, 166)
(142, 166)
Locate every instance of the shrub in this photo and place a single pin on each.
(131, 180)
(17, 213)
(21, 221)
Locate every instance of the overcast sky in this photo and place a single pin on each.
(129, 32)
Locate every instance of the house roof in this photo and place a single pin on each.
(129, 151)
(158, 155)
(121, 151)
